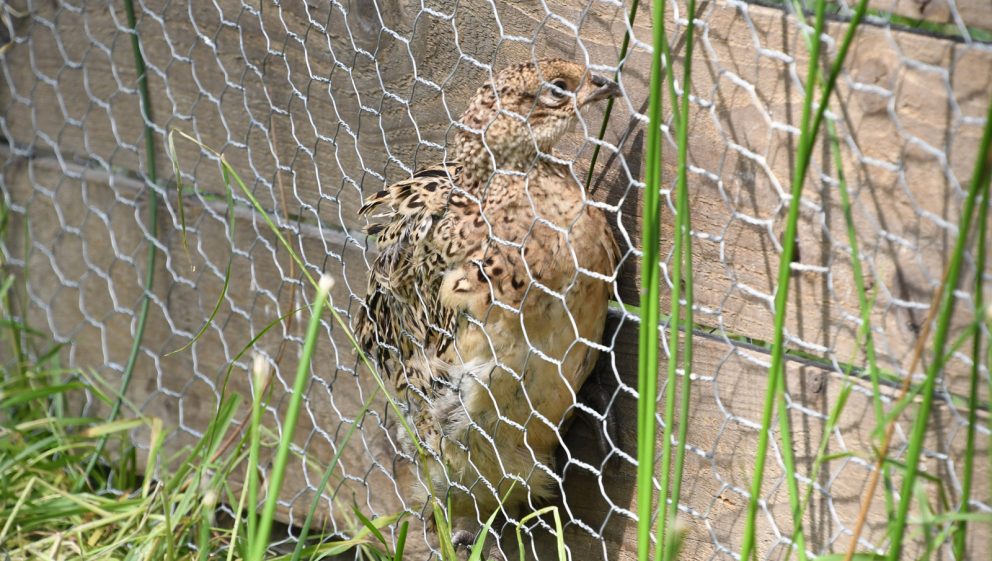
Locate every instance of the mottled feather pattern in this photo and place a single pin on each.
(490, 290)
(402, 303)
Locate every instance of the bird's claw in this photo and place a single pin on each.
(462, 539)
(463, 542)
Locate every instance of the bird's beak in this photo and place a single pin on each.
(602, 89)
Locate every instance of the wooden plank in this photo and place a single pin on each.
(899, 151)
(306, 91)
(971, 13)
(86, 252)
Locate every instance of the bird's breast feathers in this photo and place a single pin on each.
(489, 253)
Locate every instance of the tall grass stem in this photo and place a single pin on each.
(671, 480)
(775, 386)
(979, 177)
(967, 478)
(152, 177)
(264, 530)
(647, 356)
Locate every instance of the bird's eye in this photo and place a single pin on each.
(556, 94)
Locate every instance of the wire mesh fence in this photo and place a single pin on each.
(319, 105)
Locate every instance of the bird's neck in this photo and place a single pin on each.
(481, 160)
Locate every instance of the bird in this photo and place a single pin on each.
(489, 293)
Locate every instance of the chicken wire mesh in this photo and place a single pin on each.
(319, 105)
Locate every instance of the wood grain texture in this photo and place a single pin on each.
(971, 13)
(339, 101)
(317, 105)
(84, 224)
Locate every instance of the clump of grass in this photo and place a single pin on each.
(64, 493)
(54, 506)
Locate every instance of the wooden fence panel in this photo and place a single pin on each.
(317, 106)
(974, 14)
(83, 222)
(307, 100)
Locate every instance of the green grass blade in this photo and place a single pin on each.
(775, 387)
(176, 171)
(314, 504)
(647, 355)
(808, 133)
(559, 532)
(477, 548)
(170, 553)
(27, 396)
(681, 322)
(223, 419)
(368, 524)
(980, 177)
(261, 540)
(157, 440)
(401, 541)
(260, 372)
(12, 516)
(864, 304)
(206, 523)
(227, 271)
(967, 479)
(150, 161)
(113, 427)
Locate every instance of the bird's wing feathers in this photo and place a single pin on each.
(439, 254)
(403, 320)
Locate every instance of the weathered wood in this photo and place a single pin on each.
(315, 106)
(341, 99)
(86, 252)
(972, 13)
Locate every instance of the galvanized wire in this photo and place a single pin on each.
(319, 105)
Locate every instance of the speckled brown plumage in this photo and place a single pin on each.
(492, 279)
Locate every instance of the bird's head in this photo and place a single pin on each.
(524, 111)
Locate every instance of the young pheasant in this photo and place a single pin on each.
(490, 285)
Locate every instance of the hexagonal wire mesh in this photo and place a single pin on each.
(318, 105)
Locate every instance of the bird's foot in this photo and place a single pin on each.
(465, 541)
(462, 539)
